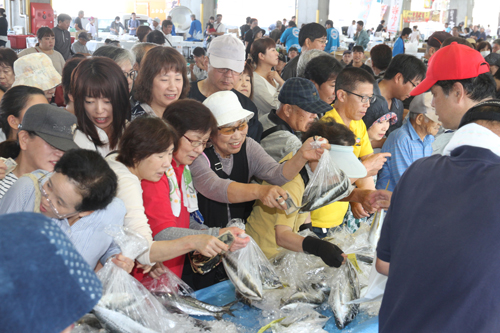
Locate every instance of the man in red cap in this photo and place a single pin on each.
(458, 78)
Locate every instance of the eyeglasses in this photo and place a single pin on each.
(230, 130)
(195, 143)
(413, 84)
(364, 99)
(131, 75)
(45, 195)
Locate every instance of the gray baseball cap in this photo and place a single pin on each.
(54, 125)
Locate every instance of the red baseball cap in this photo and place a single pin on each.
(452, 62)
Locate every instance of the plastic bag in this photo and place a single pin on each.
(301, 319)
(375, 289)
(250, 271)
(202, 264)
(327, 184)
(345, 287)
(126, 305)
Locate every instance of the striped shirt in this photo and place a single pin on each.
(6, 183)
(405, 147)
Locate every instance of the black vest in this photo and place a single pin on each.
(215, 213)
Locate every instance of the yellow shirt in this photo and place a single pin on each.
(262, 221)
(333, 214)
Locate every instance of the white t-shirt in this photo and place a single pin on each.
(415, 36)
(84, 142)
(220, 27)
(91, 29)
(265, 95)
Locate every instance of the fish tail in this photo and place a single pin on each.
(227, 308)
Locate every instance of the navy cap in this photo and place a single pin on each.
(302, 93)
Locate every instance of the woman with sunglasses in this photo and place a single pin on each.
(222, 175)
(162, 80)
(194, 124)
(99, 94)
(79, 196)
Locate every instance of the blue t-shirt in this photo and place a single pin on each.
(332, 37)
(133, 24)
(440, 236)
(173, 29)
(399, 47)
(405, 147)
(291, 38)
(194, 29)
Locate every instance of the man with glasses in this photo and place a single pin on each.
(404, 73)
(354, 93)
(312, 36)
(410, 142)
(79, 196)
(226, 61)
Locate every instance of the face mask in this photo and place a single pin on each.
(485, 53)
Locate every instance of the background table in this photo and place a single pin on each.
(251, 318)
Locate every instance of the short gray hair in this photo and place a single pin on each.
(115, 53)
(139, 50)
(305, 58)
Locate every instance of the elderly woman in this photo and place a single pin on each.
(162, 80)
(194, 124)
(267, 82)
(46, 42)
(323, 72)
(13, 106)
(99, 95)
(124, 58)
(145, 154)
(7, 76)
(222, 175)
(36, 70)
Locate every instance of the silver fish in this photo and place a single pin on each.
(345, 288)
(337, 190)
(294, 306)
(192, 306)
(270, 279)
(247, 285)
(311, 296)
(117, 322)
(375, 229)
(311, 317)
(90, 320)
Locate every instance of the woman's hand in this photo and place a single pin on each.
(158, 270)
(239, 242)
(208, 245)
(123, 262)
(273, 75)
(273, 196)
(311, 153)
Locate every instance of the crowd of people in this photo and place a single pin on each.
(130, 139)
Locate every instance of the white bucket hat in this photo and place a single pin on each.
(36, 70)
(227, 52)
(226, 108)
(344, 158)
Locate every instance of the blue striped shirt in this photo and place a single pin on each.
(87, 234)
(405, 147)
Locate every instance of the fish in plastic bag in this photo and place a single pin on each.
(327, 184)
(345, 288)
(300, 319)
(126, 305)
(249, 270)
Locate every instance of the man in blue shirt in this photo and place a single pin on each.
(332, 37)
(439, 241)
(173, 25)
(133, 24)
(399, 46)
(195, 29)
(409, 143)
(361, 37)
(291, 36)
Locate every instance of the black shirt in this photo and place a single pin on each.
(290, 69)
(3, 26)
(254, 126)
(366, 68)
(244, 28)
(79, 22)
(249, 36)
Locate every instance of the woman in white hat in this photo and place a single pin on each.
(36, 70)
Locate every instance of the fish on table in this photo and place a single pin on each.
(117, 322)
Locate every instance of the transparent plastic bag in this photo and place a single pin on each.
(344, 288)
(250, 271)
(301, 319)
(327, 184)
(126, 305)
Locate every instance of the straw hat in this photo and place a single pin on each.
(36, 70)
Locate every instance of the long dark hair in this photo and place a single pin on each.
(100, 77)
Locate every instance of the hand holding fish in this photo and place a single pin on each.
(309, 150)
(373, 163)
(273, 196)
(239, 242)
(358, 210)
(380, 199)
(123, 262)
(208, 245)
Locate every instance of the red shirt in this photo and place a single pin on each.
(156, 197)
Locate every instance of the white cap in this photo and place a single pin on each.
(422, 104)
(156, 19)
(344, 158)
(226, 108)
(227, 51)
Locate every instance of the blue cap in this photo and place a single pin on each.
(302, 93)
(45, 284)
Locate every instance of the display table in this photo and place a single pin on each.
(251, 318)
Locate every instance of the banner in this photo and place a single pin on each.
(428, 4)
(452, 17)
(394, 15)
(382, 12)
(413, 16)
